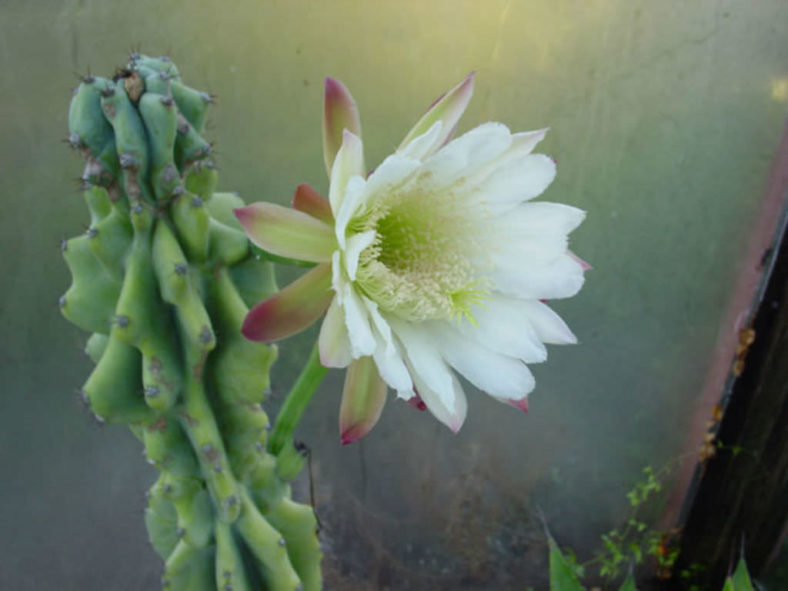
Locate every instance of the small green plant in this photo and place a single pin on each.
(565, 574)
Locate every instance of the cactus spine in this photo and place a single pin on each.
(163, 279)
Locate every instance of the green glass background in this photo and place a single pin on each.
(664, 118)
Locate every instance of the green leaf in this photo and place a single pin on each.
(741, 578)
(629, 583)
(562, 576)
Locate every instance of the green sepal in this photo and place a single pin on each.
(114, 389)
(90, 301)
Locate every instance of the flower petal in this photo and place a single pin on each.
(547, 325)
(534, 232)
(355, 246)
(447, 109)
(560, 278)
(351, 204)
(451, 413)
(585, 264)
(422, 146)
(503, 186)
(309, 201)
(524, 142)
(292, 309)
(387, 355)
(392, 172)
(498, 375)
(339, 113)
(348, 163)
(425, 360)
(503, 325)
(466, 154)
(334, 341)
(362, 341)
(287, 232)
(363, 398)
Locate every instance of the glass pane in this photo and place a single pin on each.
(664, 121)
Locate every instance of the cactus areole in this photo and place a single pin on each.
(163, 280)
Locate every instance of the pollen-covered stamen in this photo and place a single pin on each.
(420, 264)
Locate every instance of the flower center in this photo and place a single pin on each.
(419, 266)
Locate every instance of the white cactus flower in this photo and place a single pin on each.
(435, 263)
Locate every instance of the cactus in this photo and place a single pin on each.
(163, 279)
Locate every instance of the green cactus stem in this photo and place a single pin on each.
(162, 280)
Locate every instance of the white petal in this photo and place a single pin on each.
(391, 366)
(334, 342)
(491, 372)
(560, 278)
(524, 142)
(349, 162)
(387, 355)
(351, 203)
(532, 232)
(504, 325)
(362, 341)
(449, 410)
(517, 180)
(355, 246)
(422, 145)
(466, 154)
(425, 360)
(542, 218)
(337, 276)
(392, 172)
(548, 325)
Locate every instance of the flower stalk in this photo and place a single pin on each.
(296, 402)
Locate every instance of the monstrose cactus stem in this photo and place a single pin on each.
(163, 279)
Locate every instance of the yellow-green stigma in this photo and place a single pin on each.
(419, 266)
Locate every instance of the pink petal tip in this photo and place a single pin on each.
(521, 404)
(416, 402)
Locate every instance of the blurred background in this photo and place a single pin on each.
(665, 118)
